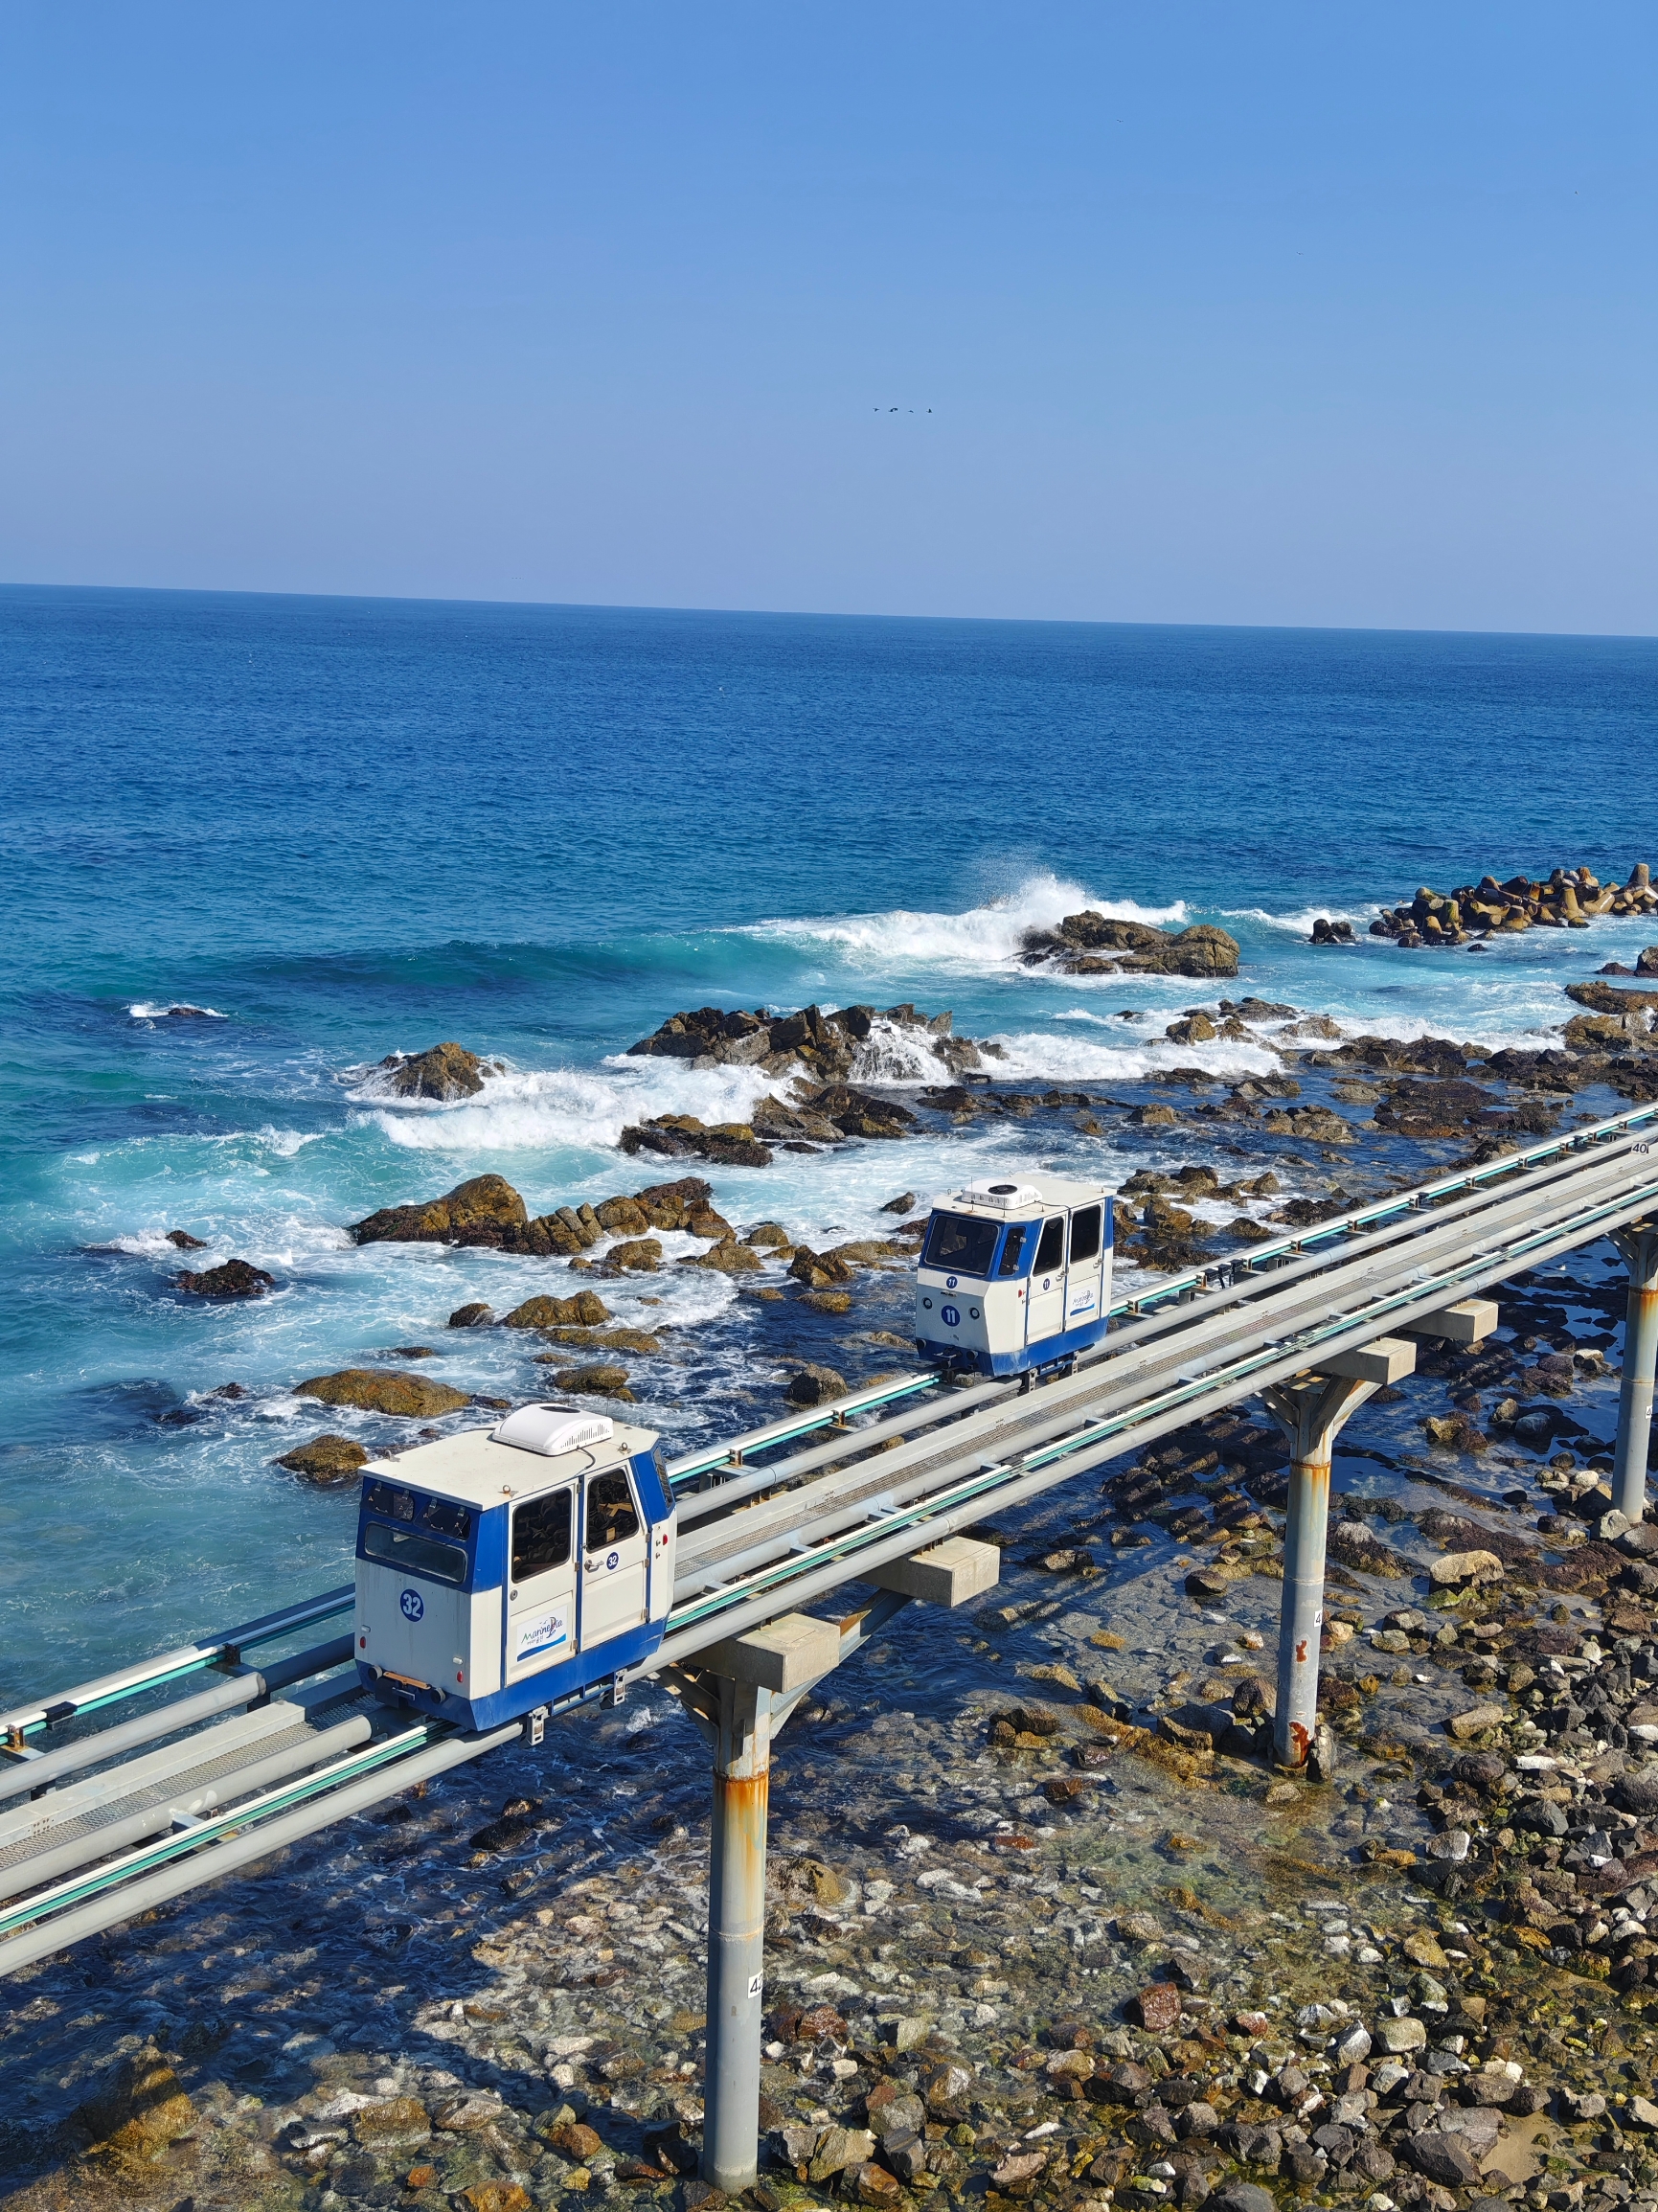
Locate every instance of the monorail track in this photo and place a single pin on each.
(97, 1825)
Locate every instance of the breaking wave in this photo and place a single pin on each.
(180, 1011)
(1036, 1057)
(538, 1110)
(983, 938)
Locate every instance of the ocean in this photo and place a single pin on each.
(344, 829)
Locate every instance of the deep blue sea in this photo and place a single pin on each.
(353, 827)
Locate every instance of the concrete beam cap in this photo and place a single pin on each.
(946, 1574)
(1385, 1359)
(789, 1653)
(1467, 1322)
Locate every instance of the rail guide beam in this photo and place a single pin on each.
(740, 1694)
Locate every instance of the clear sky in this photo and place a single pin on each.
(1272, 312)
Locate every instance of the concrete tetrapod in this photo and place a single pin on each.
(1638, 1248)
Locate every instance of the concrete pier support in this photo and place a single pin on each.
(740, 1694)
(1638, 1248)
(736, 1932)
(1310, 1411)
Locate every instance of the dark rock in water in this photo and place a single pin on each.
(1079, 944)
(814, 1385)
(906, 1204)
(137, 2109)
(1637, 1008)
(383, 1390)
(185, 1242)
(235, 1279)
(1447, 2159)
(477, 1315)
(447, 1071)
(325, 1460)
(682, 1136)
(860, 1113)
(1325, 932)
(1157, 2007)
(828, 1045)
(1243, 2197)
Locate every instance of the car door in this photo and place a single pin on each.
(542, 1582)
(614, 1559)
(1085, 1266)
(1047, 1299)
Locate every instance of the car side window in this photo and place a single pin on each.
(612, 1517)
(1050, 1251)
(1012, 1252)
(1085, 1235)
(540, 1534)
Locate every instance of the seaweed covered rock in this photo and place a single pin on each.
(385, 1390)
(446, 1072)
(327, 1460)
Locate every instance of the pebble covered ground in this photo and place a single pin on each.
(1045, 1926)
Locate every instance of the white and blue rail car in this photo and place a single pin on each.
(1015, 1277)
(505, 1568)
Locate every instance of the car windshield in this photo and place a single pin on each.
(962, 1243)
(416, 1554)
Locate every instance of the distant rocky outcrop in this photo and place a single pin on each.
(831, 1046)
(1570, 898)
(444, 1072)
(487, 1211)
(1093, 944)
(235, 1279)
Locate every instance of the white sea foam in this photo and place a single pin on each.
(180, 1009)
(982, 939)
(1034, 1055)
(893, 1053)
(1300, 924)
(536, 1110)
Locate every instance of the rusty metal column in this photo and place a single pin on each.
(1638, 1247)
(736, 1936)
(1309, 1413)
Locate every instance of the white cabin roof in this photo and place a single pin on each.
(474, 1470)
(1021, 1197)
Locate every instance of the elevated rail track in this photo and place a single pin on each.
(169, 1792)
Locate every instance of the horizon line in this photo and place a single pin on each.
(811, 614)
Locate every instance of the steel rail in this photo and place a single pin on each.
(813, 1570)
(223, 1650)
(1314, 1276)
(244, 1688)
(233, 1848)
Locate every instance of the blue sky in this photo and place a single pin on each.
(1272, 313)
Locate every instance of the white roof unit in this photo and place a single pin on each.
(1007, 1200)
(553, 1429)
